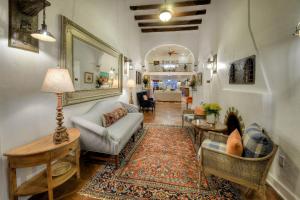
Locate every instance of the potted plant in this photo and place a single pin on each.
(212, 111)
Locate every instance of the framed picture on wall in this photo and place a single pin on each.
(199, 78)
(88, 77)
(21, 26)
(138, 78)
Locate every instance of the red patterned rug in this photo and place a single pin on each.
(162, 164)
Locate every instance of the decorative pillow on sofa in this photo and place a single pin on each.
(234, 144)
(109, 118)
(256, 143)
(130, 108)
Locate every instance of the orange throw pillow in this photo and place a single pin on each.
(234, 144)
(199, 110)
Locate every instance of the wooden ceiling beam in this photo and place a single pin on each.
(171, 23)
(176, 4)
(178, 14)
(187, 28)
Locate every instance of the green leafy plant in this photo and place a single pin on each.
(212, 108)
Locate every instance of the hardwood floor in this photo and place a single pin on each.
(166, 113)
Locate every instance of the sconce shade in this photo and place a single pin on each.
(43, 35)
(57, 81)
(130, 83)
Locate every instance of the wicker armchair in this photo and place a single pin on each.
(249, 172)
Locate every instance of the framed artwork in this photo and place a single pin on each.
(242, 71)
(199, 78)
(215, 64)
(138, 78)
(88, 77)
(20, 28)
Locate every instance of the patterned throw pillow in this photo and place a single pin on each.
(109, 118)
(256, 143)
(130, 108)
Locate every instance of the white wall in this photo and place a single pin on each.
(25, 112)
(274, 99)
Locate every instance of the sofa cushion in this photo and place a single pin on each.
(109, 118)
(234, 144)
(256, 143)
(210, 144)
(123, 128)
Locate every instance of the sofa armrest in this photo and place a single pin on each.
(95, 128)
(130, 107)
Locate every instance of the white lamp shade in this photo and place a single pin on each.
(130, 83)
(57, 81)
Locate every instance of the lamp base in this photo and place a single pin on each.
(131, 98)
(61, 135)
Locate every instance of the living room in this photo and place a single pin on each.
(228, 33)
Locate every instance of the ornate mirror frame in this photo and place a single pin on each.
(69, 30)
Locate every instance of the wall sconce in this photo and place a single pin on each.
(297, 32)
(212, 63)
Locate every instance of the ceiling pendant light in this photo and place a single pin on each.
(43, 34)
(165, 15)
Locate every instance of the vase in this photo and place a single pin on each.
(211, 118)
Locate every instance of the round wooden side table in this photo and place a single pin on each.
(201, 126)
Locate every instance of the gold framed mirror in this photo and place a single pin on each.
(95, 67)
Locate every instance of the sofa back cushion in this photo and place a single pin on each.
(111, 117)
(95, 113)
(256, 143)
(234, 144)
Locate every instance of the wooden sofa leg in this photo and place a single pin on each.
(117, 161)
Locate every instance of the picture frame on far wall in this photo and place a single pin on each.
(138, 78)
(88, 77)
(199, 78)
(20, 28)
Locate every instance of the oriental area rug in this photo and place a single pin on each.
(160, 164)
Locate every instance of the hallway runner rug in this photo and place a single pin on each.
(161, 164)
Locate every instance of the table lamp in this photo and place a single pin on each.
(58, 81)
(130, 85)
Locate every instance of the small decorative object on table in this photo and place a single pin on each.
(212, 112)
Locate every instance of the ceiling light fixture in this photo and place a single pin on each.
(165, 15)
(297, 32)
(43, 34)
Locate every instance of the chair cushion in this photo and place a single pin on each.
(109, 118)
(145, 97)
(256, 143)
(188, 117)
(234, 144)
(210, 144)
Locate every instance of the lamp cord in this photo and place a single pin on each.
(44, 12)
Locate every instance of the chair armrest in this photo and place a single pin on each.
(92, 127)
(217, 137)
(238, 169)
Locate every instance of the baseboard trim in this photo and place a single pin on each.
(283, 191)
